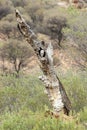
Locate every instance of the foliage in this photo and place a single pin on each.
(36, 14)
(55, 26)
(4, 8)
(4, 11)
(22, 103)
(18, 3)
(83, 115)
(25, 120)
(24, 92)
(75, 85)
(77, 28)
(8, 28)
(16, 53)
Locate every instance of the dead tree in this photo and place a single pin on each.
(54, 89)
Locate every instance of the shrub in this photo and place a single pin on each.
(75, 85)
(83, 115)
(21, 3)
(24, 92)
(17, 54)
(5, 8)
(36, 13)
(4, 11)
(7, 28)
(77, 28)
(55, 26)
(26, 120)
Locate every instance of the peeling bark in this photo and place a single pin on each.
(54, 89)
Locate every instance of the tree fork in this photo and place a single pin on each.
(54, 89)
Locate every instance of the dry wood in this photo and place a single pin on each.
(54, 89)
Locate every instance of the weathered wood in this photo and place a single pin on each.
(54, 88)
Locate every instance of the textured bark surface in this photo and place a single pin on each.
(54, 89)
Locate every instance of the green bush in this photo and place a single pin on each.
(22, 103)
(83, 115)
(76, 88)
(17, 54)
(16, 121)
(26, 120)
(24, 92)
(77, 28)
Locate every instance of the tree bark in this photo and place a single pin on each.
(54, 89)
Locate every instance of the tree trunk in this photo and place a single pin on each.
(54, 88)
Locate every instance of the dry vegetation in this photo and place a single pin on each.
(22, 102)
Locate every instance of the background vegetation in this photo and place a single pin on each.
(22, 99)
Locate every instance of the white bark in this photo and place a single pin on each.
(54, 88)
